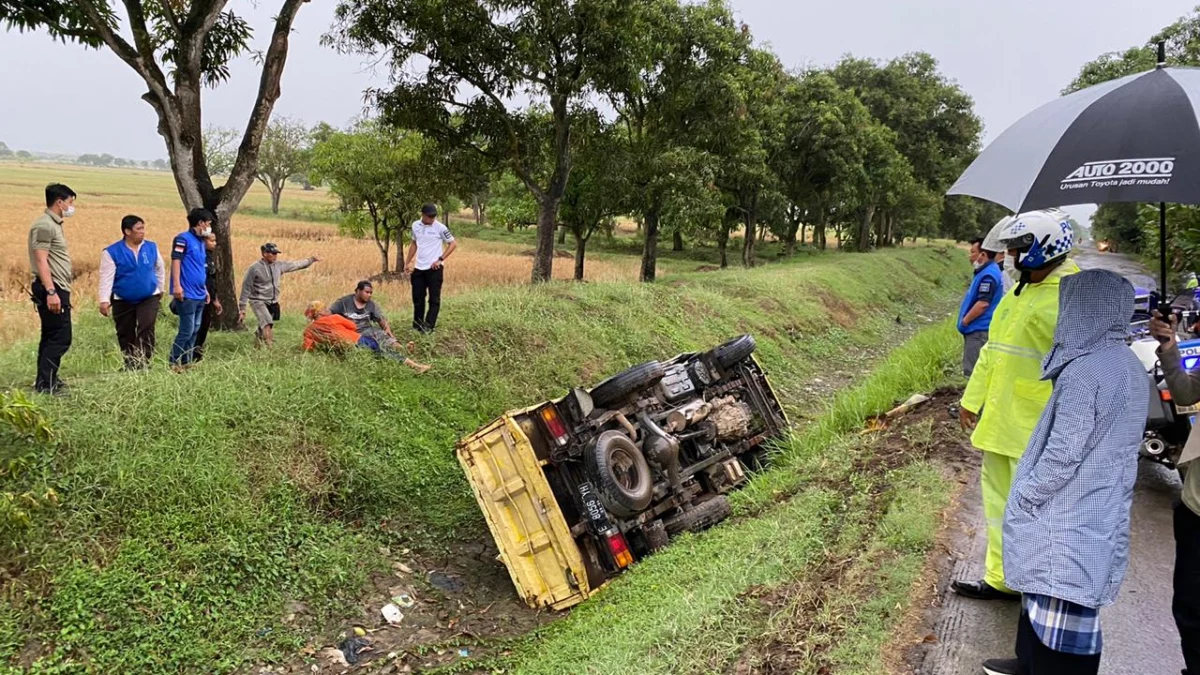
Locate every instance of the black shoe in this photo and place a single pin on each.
(1002, 666)
(59, 389)
(981, 590)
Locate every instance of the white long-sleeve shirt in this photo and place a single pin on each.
(108, 274)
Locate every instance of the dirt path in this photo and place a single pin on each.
(1139, 632)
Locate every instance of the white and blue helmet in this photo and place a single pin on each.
(1040, 238)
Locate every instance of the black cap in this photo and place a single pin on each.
(429, 210)
(270, 247)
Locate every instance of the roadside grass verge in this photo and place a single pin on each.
(787, 584)
(196, 508)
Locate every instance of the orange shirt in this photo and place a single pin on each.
(333, 330)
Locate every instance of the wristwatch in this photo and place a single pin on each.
(52, 291)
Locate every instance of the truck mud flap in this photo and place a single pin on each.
(531, 533)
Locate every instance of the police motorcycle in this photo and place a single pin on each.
(1167, 424)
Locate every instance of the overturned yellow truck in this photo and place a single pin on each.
(576, 489)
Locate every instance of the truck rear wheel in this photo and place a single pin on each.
(701, 516)
(620, 473)
(620, 386)
(733, 352)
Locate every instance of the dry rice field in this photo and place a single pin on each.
(107, 195)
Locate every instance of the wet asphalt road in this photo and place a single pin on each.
(1139, 633)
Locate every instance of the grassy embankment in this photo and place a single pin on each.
(194, 507)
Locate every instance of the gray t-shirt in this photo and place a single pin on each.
(362, 318)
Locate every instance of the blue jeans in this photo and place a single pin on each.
(190, 314)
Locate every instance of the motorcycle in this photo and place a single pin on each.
(1167, 424)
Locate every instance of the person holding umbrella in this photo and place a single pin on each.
(1006, 395)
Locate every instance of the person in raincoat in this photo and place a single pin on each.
(1066, 525)
(1006, 395)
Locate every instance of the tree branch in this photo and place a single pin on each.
(242, 175)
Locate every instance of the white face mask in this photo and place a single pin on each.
(69, 211)
(978, 264)
(205, 232)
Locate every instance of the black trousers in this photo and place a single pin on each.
(56, 337)
(1038, 659)
(426, 281)
(202, 331)
(135, 329)
(1186, 603)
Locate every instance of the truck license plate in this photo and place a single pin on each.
(594, 508)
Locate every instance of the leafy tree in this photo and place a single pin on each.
(821, 151)
(105, 160)
(381, 177)
(4, 151)
(677, 83)
(753, 133)
(24, 154)
(599, 187)
(161, 165)
(177, 48)
(510, 204)
(1121, 223)
(484, 53)
(220, 149)
(284, 153)
(935, 126)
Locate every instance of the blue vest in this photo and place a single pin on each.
(990, 271)
(135, 280)
(189, 250)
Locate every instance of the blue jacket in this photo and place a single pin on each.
(136, 276)
(189, 250)
(988, 281)
(1066, 525)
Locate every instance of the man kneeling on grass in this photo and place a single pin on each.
(1066, 524)
(334, 332)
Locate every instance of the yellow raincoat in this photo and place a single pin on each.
(1007, 386)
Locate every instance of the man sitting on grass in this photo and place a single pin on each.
(334, 332)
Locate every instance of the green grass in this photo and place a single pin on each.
(694, 608)
(194, 507)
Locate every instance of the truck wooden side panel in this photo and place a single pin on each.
(533, 537)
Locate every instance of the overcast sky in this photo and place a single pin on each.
(1011, 56)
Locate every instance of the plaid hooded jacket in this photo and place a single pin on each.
(1066, 526)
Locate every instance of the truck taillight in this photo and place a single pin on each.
(619, 549)
(554, 425)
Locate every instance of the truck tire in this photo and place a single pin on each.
(735, 351)
(656, 535)
(620, 386)
(700, 516)
(620, 473)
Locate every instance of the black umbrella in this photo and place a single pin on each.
(1135, 139)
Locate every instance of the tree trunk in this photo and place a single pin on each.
(650, 244)
(748, 244)
(276, 193)
(803, 228)
(562, 235)
(678, 241)
(580, 251)
(863, 241)
(543, 257)
(478, 212)
(383, 242)
(723, 245)
(399, 250)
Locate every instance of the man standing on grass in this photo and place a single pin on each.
(1006, 395)
(50, 263)
(431, 244)
(189, 284)
(213, 308)
(975, 314)
(260, 290)
(132, 279)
